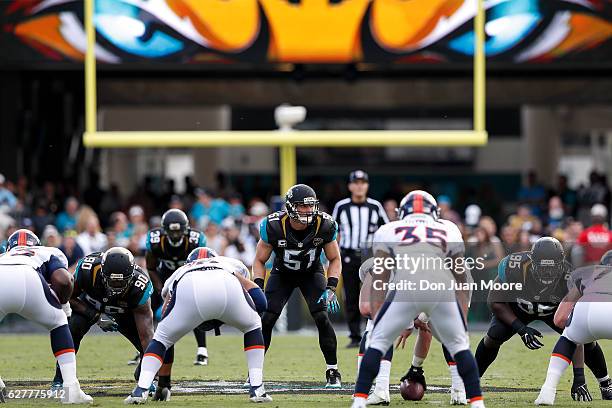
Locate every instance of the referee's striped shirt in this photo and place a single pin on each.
(357, 222)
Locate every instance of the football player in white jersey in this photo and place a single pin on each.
(584, 312)
(418, 258)
(35, 284)
(212, 290)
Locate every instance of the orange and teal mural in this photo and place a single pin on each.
(307, 31)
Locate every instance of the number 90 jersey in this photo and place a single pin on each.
(534, 299)
(297, 250)
(88, 279)
(421, 233)
(163, 257)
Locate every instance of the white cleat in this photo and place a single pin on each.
(259, 395)
(546, 397)
(458, 396)
(379, 397)
(74, 395)
(138, 396)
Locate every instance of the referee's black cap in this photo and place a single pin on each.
(358, 175)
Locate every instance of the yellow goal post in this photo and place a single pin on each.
(287, 142)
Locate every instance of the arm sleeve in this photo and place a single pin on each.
(57, 261)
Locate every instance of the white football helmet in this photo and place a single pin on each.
(418, 202)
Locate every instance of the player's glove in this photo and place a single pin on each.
(529, 335)
(580, 392)
(330, 299)
(67, 309)
(107, 323)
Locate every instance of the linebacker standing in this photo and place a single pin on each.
(358, 218)
(297, 236)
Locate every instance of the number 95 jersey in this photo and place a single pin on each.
(87, 278)
(297, 251)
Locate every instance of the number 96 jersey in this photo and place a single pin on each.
(297, 251)
(88, 279)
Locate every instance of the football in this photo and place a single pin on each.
(412, 391)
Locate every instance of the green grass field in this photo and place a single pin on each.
(293, 361)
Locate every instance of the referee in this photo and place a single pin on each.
(358, 218)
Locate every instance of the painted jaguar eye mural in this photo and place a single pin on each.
(322, 31)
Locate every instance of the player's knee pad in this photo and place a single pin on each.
(253, 339)
(565, 348)
(491, 342)
(157, 347)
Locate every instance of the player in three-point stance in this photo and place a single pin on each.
(297, 236)
(212, 291)
(584, 314)
(418, 233)
(35, 284)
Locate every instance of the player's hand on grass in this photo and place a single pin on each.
(530, 336)
(421, 325)
(108, 324)
(401, 339)
(581, 393)
(330, 299)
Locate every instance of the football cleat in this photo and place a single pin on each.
(162, 394)
(153, 388)
(258, 394)
(74, 395)
(247, 382)
(138, 396)
(201, 360)
(546, 397)
(458, 396)
(333, 378)
(580, 392)
(2, 388)
(57, 386)
(606, 389)
(415, 374)
(135, 360)
(379, 397)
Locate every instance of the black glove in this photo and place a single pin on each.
(580, 392)
(259, 282)
(529, 335)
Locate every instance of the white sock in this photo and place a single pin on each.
(417, 361)
(456, 381)
(334, 366)
(202, 351)
(149, 367)
(477, 404)
(67, 365)
(255, 361)
(359, 401)
(556, 368)
(384, 372)
(606, 378)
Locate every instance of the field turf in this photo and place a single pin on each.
(294, 373)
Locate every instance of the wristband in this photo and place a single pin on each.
(259, 282)
(332, 283)
(518, 326)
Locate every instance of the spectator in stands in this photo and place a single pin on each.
(136, 218)
(235, 246)
(509, 237)
(490, 227)
(532, 194)
(176, 202)
(524, 241)
(472, 215)
(92, 239)
(567, 195)
(7, 198)
(390, 206)
(71, 248)
(446, 211)
(67, 219)
(594, 193)
(208, 209)
(41, 218)
(48, 197)
(51, 237)
(119, 227)
(596, 239)
(236, 209)
(214, 239)
(525, 220)
(555, 215)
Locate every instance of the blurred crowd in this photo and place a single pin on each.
(80, 223)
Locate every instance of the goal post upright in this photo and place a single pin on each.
(286, 142)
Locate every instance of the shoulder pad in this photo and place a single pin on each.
(196, 239)
(327, 228)
(273, 225)
(154, 237)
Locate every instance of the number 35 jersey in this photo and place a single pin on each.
(88, 278)
(297, 251)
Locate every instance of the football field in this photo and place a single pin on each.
(294, 373)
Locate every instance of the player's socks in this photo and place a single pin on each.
(63, 349)
(370, 365)
(594, 359)
(359, 401)
(384, 372)
(559, 361)
(466, 366)
(151, 363)
(362, 349)
(255, 350)
(485, 356)
(478, 403)
(202, 351)
(327, 337)
(579, 375)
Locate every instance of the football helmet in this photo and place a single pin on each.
(547, 257)
(418, 202)
(301, 194)
(201, 253)
(22, 237)
(175, 224)
(118, 270)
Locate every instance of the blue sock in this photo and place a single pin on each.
(370, 364)
(468, 370)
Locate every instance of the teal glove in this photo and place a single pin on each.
(330, 299)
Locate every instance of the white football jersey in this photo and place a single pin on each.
(423, 232)
(229, 265)
(45, 260)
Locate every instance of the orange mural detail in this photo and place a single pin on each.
(46, 31)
